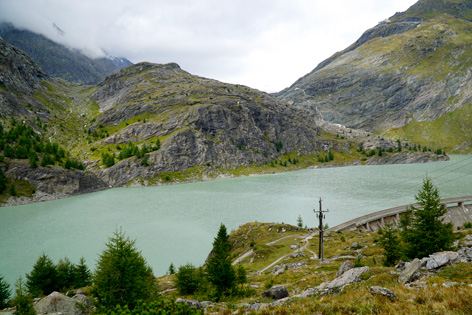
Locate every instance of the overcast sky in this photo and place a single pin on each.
(264, 44)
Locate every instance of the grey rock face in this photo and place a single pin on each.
(411, 272)
(465, 254)
(52, 180)
(345, 266)
(59, 304)
(438, 260)
(375, 290)
(276, 292)
(350, 276)
(372, 85)
(203, 122)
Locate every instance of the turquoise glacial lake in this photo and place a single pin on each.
(178, 223)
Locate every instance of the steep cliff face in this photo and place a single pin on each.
(413, 67)
(199, 122)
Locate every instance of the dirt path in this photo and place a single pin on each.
(250, 252)
(302, 248)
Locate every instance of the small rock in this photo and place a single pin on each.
(355, 245)
(257, 306)
(276, 292)
(375, 290)
(450, 284)
(417, 285)
(293, 246)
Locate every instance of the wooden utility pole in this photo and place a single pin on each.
(320, 215)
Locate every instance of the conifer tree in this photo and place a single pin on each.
(22, 301)
(3, 181)
(42, 280)
(65, 274)
(220, 271)
(423, 229)
(389, 240)
(300, 221)
(122, 276)
(5, 293)
(83, 275)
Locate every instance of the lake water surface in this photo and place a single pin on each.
(178, 223)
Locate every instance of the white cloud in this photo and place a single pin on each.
(265, 44)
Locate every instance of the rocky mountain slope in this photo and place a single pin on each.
(406, 72)
(198, 121)
(26, 97)
(154, 124)
(60, 61)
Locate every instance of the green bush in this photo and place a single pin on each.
(187, 279)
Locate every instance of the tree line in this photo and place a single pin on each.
(20, 141)
(123, 282)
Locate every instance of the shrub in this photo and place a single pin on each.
(187, 279)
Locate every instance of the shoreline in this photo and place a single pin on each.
(396, 158)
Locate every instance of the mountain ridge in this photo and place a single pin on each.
(60, 61)
(408, 69)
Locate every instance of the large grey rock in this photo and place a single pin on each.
(411, 272)
(375, 290)
(276, 292)
(438, 260)
(350, 276)
(191, 303)
(465, 254)
(57, 303)
(345, 266)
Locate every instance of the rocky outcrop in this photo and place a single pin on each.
(276, 292)
(52, 182)
(438, 260)
(349, 277)
(345, 266)
(411, 272)
(57, 303)
(407, 158)
(201, 122)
